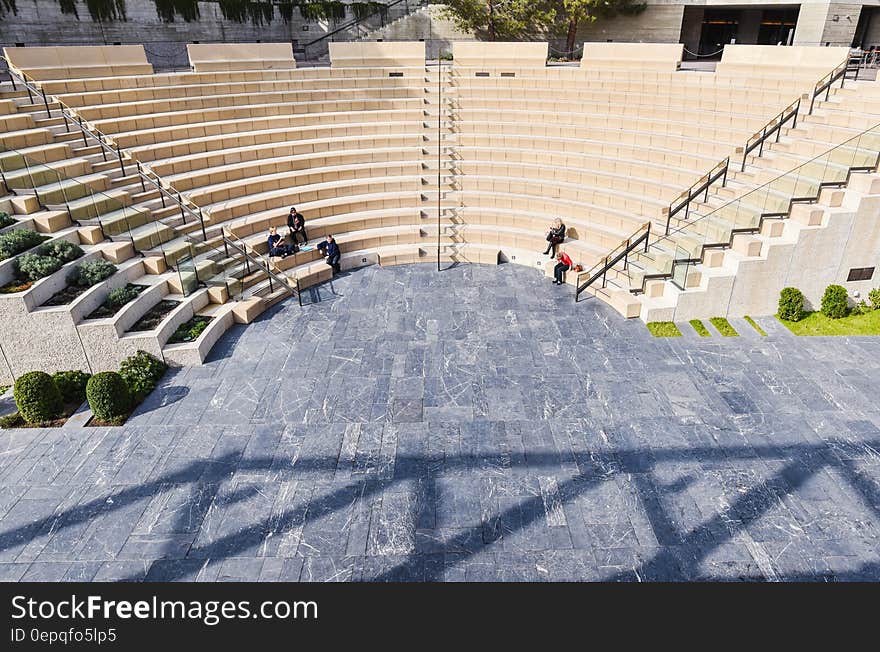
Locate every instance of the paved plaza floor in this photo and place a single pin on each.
(473, 424)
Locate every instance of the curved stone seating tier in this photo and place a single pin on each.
(304, 180)
(257, 167)
(511, 130)
(317, 136)
(301, 124)
(326, 76)
(315, 101)
(317, 150)
(322, 112)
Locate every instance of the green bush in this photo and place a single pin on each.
(108, 395)
(37, 397)
(33, 267)
(62, 250)
(874, 298)
(72, 385)
(791, 304)
(190, 331)
(120, 296)
(18, 240)
(141, 373)
(46, 259)
(6, 220)
(91, 273)
(834, 302)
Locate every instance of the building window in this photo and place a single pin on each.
(860, 274)
(482, 74)
(395, 74)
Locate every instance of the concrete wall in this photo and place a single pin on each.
(427, 24)
(809, 258)
(40, 22)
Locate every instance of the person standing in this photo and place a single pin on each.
(296, 224)
(565, 263)
(555, 236)
(332, 253)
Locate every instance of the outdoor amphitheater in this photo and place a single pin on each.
(436, 408)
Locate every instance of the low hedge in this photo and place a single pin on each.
(37, 397)
(17, 240)
(91, 273)
(72, 385)
(6, 220)
(109, 396)
(46, 259)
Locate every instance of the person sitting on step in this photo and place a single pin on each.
(330, 250)
(555, 236)
(277, 247)
(565, 263)
(296, 224)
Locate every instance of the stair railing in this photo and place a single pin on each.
(356, 22)
(701, 187)
(849, 65)
(774, 126)
(620, 252)
(167, 192)
(272, 272)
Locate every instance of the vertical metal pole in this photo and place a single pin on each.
(439, 150)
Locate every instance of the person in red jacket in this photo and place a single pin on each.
(562, 267)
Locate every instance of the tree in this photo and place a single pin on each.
(503, 19)
(578, 12)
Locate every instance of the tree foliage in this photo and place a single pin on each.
(498, 20)
(501, 20)
(169, 9)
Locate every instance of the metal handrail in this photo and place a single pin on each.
(620, 252)
(719, 171)
(166, 190)
(774, 126)
(383, 10)
(271, 270)
(825, 83)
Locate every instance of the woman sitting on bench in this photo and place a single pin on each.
(555, 236)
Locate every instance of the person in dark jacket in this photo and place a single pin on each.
(331, 252)
(276, 244)
(296, 224)
(565, 263)
(555, 236)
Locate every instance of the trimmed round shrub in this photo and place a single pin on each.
(91, 273)
(834, 302)
(874, 298)
(72, 385)
(37, 398)
(141, 372)
(108, 396)
(18, 240)
(791, 304)
(33, 267)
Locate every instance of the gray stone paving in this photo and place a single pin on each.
(468, 425)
